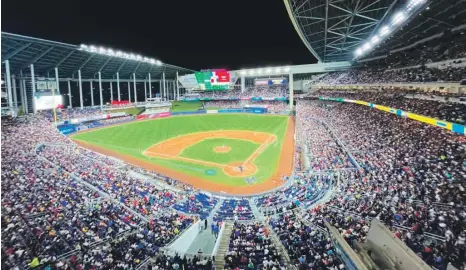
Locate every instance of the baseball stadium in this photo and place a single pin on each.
(112, 159)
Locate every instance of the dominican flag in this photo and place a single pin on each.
(220, 77)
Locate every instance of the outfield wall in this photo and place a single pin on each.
(457, 128)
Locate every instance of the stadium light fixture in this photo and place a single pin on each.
(366, 47)
(358, 52)
(412, 7)
(399, 18)
(112, 53)
(268, 70)
(243, 72)
(278, 70)
(384, 31)
(287, 69)
(259, 71)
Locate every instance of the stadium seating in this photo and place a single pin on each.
(66, 206)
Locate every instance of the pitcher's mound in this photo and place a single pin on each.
(233, 169)
(222, 149)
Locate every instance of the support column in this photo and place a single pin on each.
(174, 90)
(8, 84)
(24, 101)
(160, 89)
(243, 84)
(21, 93)
(57, 80)
(129, 91)
(177, 87)
(118, 86)
(69, 95)
(150, 87)
(33, 83)
(80, 89)
(92, 94)
(290, 84)
(164, 86)
(15, 95)
(145, 92)
(111, 91)
(135, 93)
(100, 92)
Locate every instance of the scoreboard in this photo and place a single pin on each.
(207, 80)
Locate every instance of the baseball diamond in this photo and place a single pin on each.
(212, 152)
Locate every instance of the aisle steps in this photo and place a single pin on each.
(223, 247)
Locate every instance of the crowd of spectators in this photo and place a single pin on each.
(404, 164)
(382, 75)
(265, 91)
(224, 104)
(181, 262)
(447, 47)
(451, 111)
(226, 94)
(140, 195)
(309, 247)
(71, 113)
(63, 206)
(251, 248)
(320, 146)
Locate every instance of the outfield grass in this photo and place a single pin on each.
(133, 138)
(204, 150)
(181, 106)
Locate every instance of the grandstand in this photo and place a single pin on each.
(378, 171)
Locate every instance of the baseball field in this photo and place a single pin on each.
(228, 153)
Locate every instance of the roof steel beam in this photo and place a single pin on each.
(60, 62)
(298, 8)
(15, 52)
(37, 58)
(106, 62)
(309, 17)
(85, 62)
(326, 24)
(121, 66)
(368, 6)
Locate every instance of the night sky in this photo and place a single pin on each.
(192, 34)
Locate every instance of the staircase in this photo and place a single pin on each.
(223, 247)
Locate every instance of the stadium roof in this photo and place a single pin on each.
(333, 29)
(22, 51)
(441, 16)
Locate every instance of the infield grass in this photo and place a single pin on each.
(204, 150)
(135, 137)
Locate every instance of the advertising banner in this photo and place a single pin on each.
(211, 111)
(67, 129)
(120, 102)
(142, 116)
(230, 110)
(187, 113)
